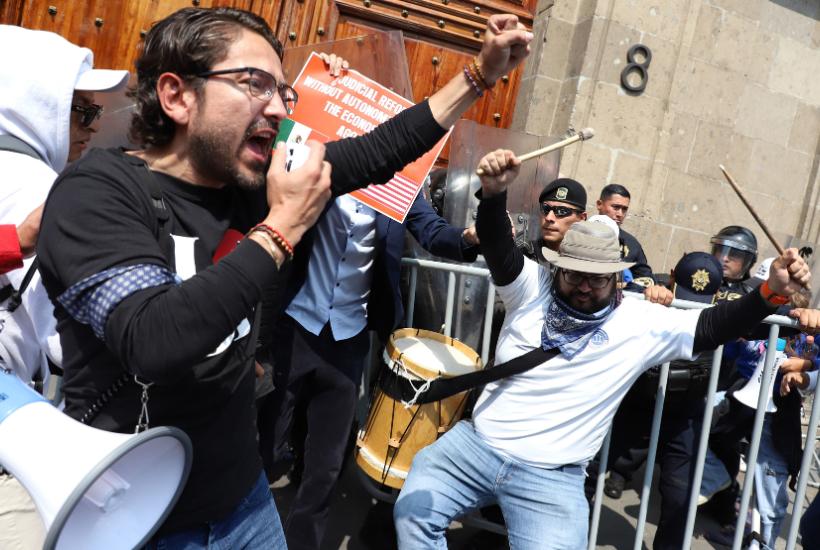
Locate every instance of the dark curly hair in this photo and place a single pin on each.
(186, 43)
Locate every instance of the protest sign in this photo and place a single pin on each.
(336, 107)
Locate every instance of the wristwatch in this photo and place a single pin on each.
(771, 296)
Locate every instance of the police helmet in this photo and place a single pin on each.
(735, 243)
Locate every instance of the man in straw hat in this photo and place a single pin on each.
(533, 434)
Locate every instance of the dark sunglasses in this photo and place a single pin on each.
(262, 86)
(594, 281)
(560, 211)
(89, 113)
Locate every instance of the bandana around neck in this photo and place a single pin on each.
(570, 330)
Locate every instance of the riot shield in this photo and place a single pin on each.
(456, 202)
(379, 56)
(809, 251)
(115, 120)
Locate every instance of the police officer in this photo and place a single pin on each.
(697, 277)
(735, 247)
(562, 202)
(614, 203)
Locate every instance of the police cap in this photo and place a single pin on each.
(565, 190)
(698, 277)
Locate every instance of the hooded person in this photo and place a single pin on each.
(47, 116)
(46, 113)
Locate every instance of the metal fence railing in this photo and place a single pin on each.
(775, 323)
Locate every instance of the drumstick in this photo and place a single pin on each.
(755, 215)
(583, 135)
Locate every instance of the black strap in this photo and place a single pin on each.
(15, 297)
(401, 389)
(17, 145)
(154, 189)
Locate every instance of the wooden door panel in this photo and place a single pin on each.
(116, 40)
(11, 12)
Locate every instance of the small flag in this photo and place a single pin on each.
(293, 132)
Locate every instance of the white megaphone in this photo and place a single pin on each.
(749, 393)
(93, 489)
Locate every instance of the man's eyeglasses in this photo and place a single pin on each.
(594, 281)
(89, 112)
(262, 86)
(560, 211)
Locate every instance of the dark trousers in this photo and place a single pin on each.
(631, 461)
(681, 426)
(328, 374)
(810, 526)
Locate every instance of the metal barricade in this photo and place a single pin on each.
(775, 323)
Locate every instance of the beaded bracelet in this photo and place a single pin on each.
(277, 238)
(272, 246)
(473, 82)
(481, 79)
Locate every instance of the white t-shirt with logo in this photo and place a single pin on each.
(558, 413)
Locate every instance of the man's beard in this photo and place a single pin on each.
(211, 154)
(590, 307)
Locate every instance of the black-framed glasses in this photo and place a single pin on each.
(560, 211)
(89, 112)
(262, 86)
(594, 281)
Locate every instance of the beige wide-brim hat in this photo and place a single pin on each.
(588, 247)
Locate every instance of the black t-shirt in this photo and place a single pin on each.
(193, 340)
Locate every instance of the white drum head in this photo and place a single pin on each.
(435, 356)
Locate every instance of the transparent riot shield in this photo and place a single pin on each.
(115, 121)
(379, 56)
(456, 202)
(809, 251)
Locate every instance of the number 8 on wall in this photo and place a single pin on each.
(642, 68)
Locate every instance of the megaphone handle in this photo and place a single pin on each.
(144, 412)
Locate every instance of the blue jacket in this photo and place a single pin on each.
(385, 310)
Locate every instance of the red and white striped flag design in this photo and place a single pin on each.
(398, 194)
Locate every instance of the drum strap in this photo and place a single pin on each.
(401, 389)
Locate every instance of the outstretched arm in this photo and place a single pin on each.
(376, 156)
(732, 320)
(504, 260)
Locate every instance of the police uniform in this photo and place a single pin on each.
(698, 278)
(632, 251)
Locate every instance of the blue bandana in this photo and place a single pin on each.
(570, 330)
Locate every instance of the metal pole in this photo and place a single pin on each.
(448, 313)
(650, 459)
(411, 299)
(599, 491)
(754, 446)
(805, 466)
(704, 443)
(488, 323)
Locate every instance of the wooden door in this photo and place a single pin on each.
(112, 29)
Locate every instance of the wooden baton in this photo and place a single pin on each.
(583, 135)
(755, 215)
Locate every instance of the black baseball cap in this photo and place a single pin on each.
(698, 276)
(565, 190)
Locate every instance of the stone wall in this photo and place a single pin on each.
(731, 82)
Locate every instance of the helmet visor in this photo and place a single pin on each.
(735, 263)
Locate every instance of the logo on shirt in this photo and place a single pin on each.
(599, 339)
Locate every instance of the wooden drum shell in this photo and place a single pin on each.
(379, 443)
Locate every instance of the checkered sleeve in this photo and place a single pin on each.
(93, 299)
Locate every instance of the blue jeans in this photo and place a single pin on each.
(252, 525)
(543, 509)
(715, 475)
(771, 478)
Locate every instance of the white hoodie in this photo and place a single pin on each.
(37, 80)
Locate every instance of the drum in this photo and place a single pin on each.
(394, 433)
